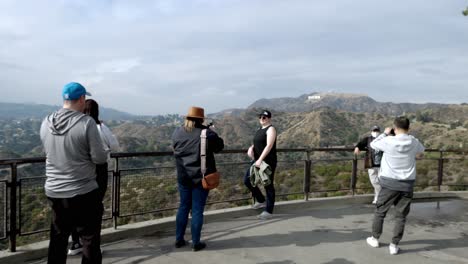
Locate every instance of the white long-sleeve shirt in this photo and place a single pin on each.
(108, 139)
(398, 165)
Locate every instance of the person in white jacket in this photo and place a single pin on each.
(397, 177)
(110, 144)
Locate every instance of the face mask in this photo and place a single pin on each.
(374, 134)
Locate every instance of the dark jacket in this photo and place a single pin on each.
(373, 157)
(186, 147)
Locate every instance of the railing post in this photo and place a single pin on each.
(115, 192)
(353, 176)
(440, 170)
(13, 200)
(307, 174)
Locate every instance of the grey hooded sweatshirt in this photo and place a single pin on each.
(73, 147)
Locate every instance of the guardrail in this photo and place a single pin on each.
(143, 184)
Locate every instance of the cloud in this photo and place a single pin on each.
(118, 66)
(154, 57)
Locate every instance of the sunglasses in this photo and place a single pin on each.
(262, 117)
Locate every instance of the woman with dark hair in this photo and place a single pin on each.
(110, 143)
(186, 144)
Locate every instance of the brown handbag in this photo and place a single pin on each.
(211, 180)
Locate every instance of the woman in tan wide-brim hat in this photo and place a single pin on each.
(186, 145)
(195, 116)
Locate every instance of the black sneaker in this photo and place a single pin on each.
(199, 246)
(180, 243)
(75, 249)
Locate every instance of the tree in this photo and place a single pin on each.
(465, 12)
(423, 116)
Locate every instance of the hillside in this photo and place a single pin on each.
(324, 127)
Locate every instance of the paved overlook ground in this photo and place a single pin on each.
(325, 234)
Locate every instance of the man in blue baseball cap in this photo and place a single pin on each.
(73, 91)
(73, 147)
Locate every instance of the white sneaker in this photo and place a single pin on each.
(374, 202)
(264, 215)
(373, 242)
(257, 205)
(75, 249)
(394, 249)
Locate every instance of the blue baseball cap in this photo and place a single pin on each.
(73, 91)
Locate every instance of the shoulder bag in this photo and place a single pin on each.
(211, 180)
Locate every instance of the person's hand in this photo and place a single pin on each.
(387, 130)
(250, 152)
(258, 163)
(357, 151)
(212, 127)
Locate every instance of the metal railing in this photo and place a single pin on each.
(140, 189)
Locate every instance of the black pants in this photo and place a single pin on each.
(101, 179)
(401, 201)
(102, 176)
(269, 189)
(83, 213)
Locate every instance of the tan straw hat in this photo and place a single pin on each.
(196, 112)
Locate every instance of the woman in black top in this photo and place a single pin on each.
(263, 149)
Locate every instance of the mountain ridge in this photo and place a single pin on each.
(358, 103)
(39, 111)
(340, 101)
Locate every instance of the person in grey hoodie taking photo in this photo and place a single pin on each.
(397, 176)
(73, 147)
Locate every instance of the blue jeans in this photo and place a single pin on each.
(257, 194)
(191, 198)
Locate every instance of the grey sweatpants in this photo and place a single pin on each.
(402, 202)
(374, 179)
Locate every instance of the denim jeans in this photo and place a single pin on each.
(257, 194)
(83, 213)
(191, 198)
(402, 202)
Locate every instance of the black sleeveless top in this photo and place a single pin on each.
(260, 142)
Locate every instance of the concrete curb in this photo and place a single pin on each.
(39, 250)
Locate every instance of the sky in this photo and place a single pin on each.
(162, 56)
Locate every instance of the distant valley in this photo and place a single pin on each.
(313, 120)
